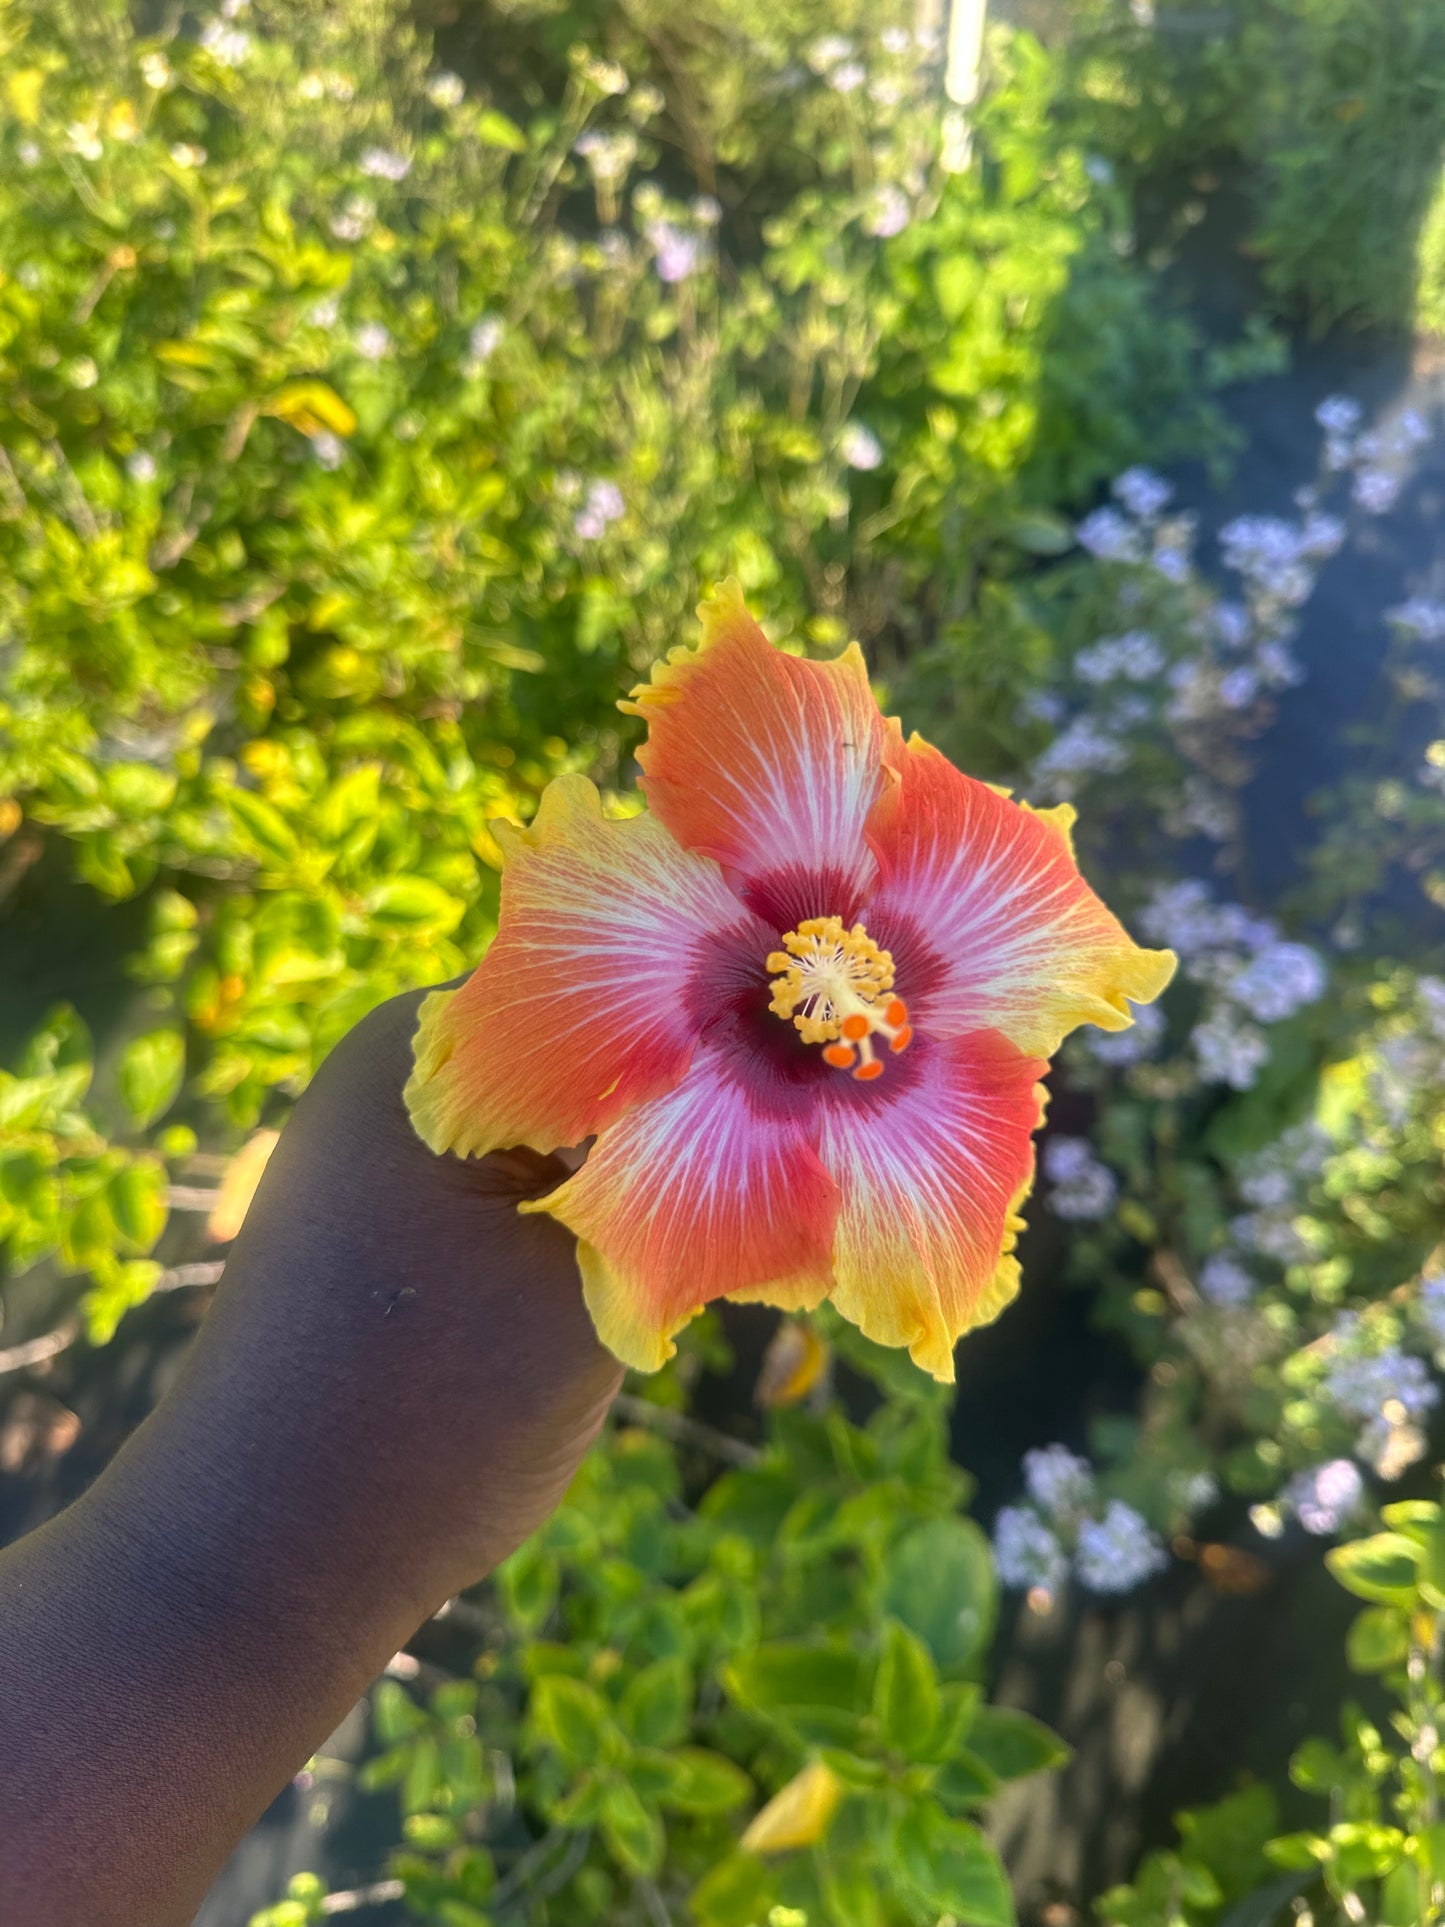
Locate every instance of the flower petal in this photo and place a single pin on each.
(765, 762)
(579, 1009)
(691, 1197)
(932, 1182)
(982, 897)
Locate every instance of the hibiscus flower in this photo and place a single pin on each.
(802, 1004)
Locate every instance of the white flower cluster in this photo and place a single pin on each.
(1132, 1046)
(1224, 1281)
(1375, 460)
(1135, 657)
(602, 506)
(482, 343)
(1144, 494)
(225, 43)
(1430, 1308)
(1385, 1390)
(384, 164)
(1036, 1544)
(608, 152)
(373, 341)
(1408, 1067)
(859, 446)
(1422, 618)
(677, 252)
(1324, 1497)
(1080, 1186)
(1083, 747)
(1253, 975)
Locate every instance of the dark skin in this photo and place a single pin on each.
(392, 1390)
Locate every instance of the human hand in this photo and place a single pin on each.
(392, 1388)
(422, 1345)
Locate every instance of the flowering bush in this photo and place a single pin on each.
(364, 434)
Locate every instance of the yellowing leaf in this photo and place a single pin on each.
(798, 1815)
(238, 1186)
(23, 87)
(313, 407)
(794, 1362)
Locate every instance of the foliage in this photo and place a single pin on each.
(1380, 1855)
(1332, 107)
(362, 435)
(93, 1206)
(677, 1647)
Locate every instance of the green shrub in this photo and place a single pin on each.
(1380, 1854)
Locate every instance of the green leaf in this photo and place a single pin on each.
(633, 1836)
(1432, 1566)
(1012, 1744)
(794, 1673)
(734, 1893)
(957, 279)
(941, 1585)
(953, 1869)
(964, 1781)
(263, 828)
(423, 1778)
(1378, 1639)
(136, 1196)
(413, 905)
(1404, 1897)
(529, 1583)
(1318, 1767)
(574, 1718)
(150, 1073)
(658, 1701)
(905, 1693)
(1382, 1568)
(693, 1780)
(495, 130)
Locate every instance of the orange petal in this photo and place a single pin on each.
(932, 1179)
(981, 898)
(579, 1009)
(766, 762)
(692, 1197)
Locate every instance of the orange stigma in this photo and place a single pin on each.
(837, 987)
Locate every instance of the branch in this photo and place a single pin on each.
(683, 1430)
(37, 1351)
(358, 1897)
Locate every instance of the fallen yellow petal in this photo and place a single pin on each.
(238, 1186)
(792, 1365)
(798, 1814)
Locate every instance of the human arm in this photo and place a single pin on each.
(391, 1390)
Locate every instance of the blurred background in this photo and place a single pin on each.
(380, 388)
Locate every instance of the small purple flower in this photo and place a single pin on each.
(677, 252)
(1376, 490)
(1143, 493)
(860, 447)
(1225, 1282)
(373, 341)
(1118, 1552)
(890, 213)
(1109, 536)
(602, 506)
(384, 164)
(1026, 1553)
(484, 339)
(1325, 1496)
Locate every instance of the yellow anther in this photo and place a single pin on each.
(836, 985)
